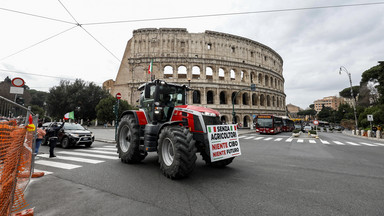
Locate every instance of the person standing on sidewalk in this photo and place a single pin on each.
(40, 136)
(53, 133)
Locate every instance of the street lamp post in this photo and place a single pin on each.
(342, 68)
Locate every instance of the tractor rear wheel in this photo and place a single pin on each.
(128, 140)
(177, 152)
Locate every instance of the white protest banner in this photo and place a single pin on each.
(223, 141)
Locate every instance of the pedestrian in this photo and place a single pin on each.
(40, 136)
(53, 133)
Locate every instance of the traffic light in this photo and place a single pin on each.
(20, 100)
(114, 109)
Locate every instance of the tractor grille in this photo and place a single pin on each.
(197, 123)
(209, 120)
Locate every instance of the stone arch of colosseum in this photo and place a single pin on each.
(217, 66)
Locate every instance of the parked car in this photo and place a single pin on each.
(307, 128)
(73, 134)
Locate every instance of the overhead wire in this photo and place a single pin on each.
(89, 32)
(34, 15)
(233, 14)
(32, 74)
(38, 43)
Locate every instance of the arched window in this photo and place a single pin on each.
(273, 101)
(233, 75)
(260, 78)
(276, 86)
(224, 119)
(266, 80)
(168, 71)
(268, 100)
(210, 97)
(262, 100)
(242, 76)
(233, 96)
(195, 72)
(221, 74)
(208, 73)
(245, 98)
(246, 121)
(254, 99)
(182, 72)
(271, 82)
(278, 102)
(253, 77)
(196, 97)
(223, 98)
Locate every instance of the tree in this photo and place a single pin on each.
(79, 96)
(346, 93)
(38, 97)
(104, 109)
(326, 114)
(375, 75)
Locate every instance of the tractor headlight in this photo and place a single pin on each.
(208, 114)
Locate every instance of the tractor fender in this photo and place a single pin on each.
(138, 114)
(168, 124)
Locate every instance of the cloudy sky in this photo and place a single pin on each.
(40, 41)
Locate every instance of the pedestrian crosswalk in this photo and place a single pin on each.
(310, 140)
(75, 158)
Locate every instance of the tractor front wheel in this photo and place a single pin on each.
(177, 152)
(128, 140)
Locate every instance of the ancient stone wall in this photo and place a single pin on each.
(216, 65)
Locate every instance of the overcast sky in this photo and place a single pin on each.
(313, 43)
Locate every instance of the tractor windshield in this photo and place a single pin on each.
(171, 96)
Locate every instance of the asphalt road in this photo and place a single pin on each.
(275, 175)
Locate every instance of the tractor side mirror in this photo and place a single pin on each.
(147, 91)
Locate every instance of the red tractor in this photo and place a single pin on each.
(167, 125)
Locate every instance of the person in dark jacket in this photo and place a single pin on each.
(53, 133)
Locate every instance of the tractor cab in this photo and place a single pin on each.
(159, 99)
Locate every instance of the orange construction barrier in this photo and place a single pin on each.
(15, 166)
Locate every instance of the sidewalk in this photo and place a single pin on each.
(108, 134)
(349, 133)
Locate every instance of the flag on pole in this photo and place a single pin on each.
(150, 67)
(70, 115)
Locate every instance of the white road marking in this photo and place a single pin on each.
(300, 140)
(352, 143)
(338, 143)
(249, 137)
(258, 138)
(105, 149)
(85, 160)
(110, 146)
(380, 144)
(324, 142)
(242, 137)
(269, 138)
(88, 155)
(57, 164)
(289, 140)
(312, 141)
(96, 151)
(367, 144)
(278, 139)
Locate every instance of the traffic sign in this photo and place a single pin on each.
(118, 96)
(18, 82)
(316, 122)
(370, 117)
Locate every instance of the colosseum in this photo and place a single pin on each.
(216, 65)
